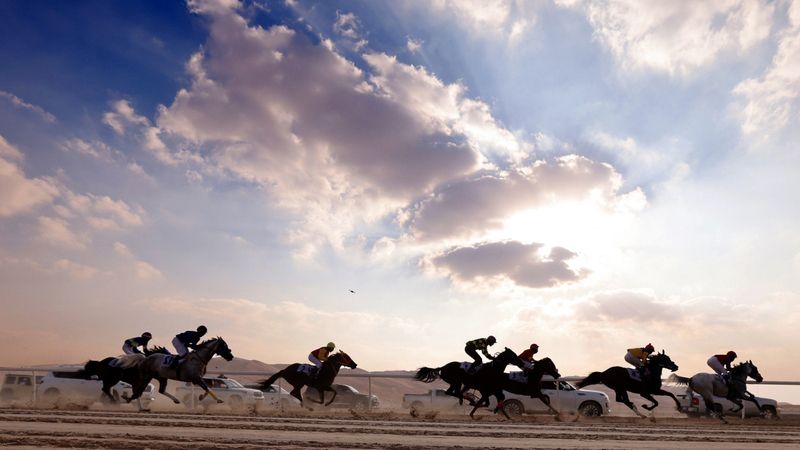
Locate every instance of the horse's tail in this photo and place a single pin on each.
(91, 368)
(677, 379)
(128, 361)
(268, 382)
(428, 374)
(593, 378)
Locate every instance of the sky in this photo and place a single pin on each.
(586, 175)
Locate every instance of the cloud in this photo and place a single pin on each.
(143, 270)
(676, 37)
(102, 212)
(771, 101)
(19, 103)
(413, 45)
(506, 19)
(57, 231)
(18, 193)
(97, 149)
(475, 205)
(618, 307)
(522, 264)
(122, 115)
(76, 270)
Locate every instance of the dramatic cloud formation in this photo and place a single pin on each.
(18, 193)
(676, 37)
(520, 263)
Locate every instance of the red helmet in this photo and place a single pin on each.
(649, 348)
(732, 354)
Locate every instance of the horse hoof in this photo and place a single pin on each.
(177, 402)
(220, 401)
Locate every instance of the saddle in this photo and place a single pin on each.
(114, 363)
(470, 367)
(636, 374)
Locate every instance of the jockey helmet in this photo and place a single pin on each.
(732, 355)
(330, 346)
(534, 347)
(649, 348)
(491, 340)
(202, 329)
(147, 335)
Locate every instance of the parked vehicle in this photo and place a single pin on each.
(346, 397)
(694, 405)
(231, 392)
(18, 387)
(276, 396)
(566, 399)
(70, 388)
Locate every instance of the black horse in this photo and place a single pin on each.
(112, 370)
(297, 375)
(487, 380)
(620, 380)
(532, 385)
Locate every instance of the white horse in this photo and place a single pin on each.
(709, 385)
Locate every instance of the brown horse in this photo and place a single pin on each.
(298, 376)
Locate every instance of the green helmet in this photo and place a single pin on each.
(330, 346)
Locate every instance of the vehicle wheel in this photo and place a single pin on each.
(416, 408)
(50, 398)
(769, 412)
(514, 407)
(236, 403)
(590, 409)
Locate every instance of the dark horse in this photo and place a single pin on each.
(532, 385)
(708, 385)
(619, 379)
(487, 380)
(191, 368)
(112, 370)
(297, 375)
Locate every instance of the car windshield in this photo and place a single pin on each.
(234, 384)
(345, 388)
(564, 386)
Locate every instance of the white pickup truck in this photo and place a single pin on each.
(231, 392)
(68, 388)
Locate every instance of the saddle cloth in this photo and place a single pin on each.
(114, 362)
(635, 374)
(308, 369)
(467, 365)
(519, 377)
(166, 361)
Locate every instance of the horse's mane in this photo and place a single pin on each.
(158, 349)
(209, 340)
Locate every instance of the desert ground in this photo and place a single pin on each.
(387, 429)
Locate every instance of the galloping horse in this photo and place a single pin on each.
(487, 380)
(298, 376)
(191, 368)
(709, 385)
(532, 386)
(112, 370)
(621, 381)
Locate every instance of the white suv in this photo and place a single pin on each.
(68, 388)
(230, 391)
(565, 399)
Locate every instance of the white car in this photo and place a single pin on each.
(276, 397)
(230, 391)
(565, 399)
(69, 388)
(18, 387)
(694, 405)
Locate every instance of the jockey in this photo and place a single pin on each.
(186, 340)
(637, 356)
(479, 344)
(321, 354)
(527, 356)
(131, 346)
(722, 363)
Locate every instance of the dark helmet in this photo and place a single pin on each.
(202, 329)
(534, 347)
(147, 335)
(491, 340)
(649, 348)
(732, 355)
(330, 346)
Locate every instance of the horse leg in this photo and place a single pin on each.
(546, 400)
(332, 398)
(107, 389)
(500, 403)
(455, 391)
(199, 381)
(622, 397)
(162, 389)
(477, 404)
(649, 397)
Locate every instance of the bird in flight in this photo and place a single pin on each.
(352, 291)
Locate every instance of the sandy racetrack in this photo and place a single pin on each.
(168, 430)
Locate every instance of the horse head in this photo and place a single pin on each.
(344, 359)
(662, 360)
(753, 372)
(547, 366)
(222, 349)
(508, 356)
